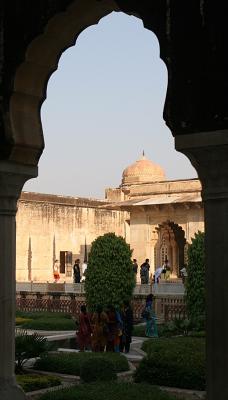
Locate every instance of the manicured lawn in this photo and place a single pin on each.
(177, 362)
(45, 321)
(70, 363)
(109, 391)
(36, 382)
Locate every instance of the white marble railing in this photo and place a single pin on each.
(163, 288)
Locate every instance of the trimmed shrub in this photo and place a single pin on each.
(44, 320)
(109, 276)
(195, 282)
(41, 314)
(30, 383)
(175, 362)
(97, 369)
(68, 363)
(50, 324)
(110, 391)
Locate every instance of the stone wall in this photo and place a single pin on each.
(48, 224)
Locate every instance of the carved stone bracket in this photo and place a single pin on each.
(208, 153)
(12, 179)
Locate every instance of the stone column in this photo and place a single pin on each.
(208, 152)
(12, 179)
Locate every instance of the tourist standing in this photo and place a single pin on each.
(84, 268)
(85, 330)
(112, 328)
(76, 271)
(184, 274)
(127, 318)
(100, 329)
(144, 272)
(56, 269)
(135, 266)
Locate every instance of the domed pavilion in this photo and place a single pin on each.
(142, 171)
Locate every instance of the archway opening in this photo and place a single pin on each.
(170, 247)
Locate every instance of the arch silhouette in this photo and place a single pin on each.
(41, 60)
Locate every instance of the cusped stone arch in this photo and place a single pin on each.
(41, 60)
(170, 246)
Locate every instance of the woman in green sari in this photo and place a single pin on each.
(150, 317)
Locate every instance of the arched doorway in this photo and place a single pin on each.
(170, 246)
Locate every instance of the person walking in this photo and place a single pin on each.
(85, 330)
(127, 318)
(76, 271)
(149, 315)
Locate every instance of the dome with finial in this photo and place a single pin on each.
(142, 171)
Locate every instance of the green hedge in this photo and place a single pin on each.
(109, 391)
(30, 383)
(45, 321)
(50, 324)
(176, 362)
(70, 363)
(97, 369)
(41, 314)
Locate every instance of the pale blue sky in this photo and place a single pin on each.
(104, 106)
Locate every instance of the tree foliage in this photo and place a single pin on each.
(109, 276)
(195, 283)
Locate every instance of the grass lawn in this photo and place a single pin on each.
(70, 363)
(30, 383)
(45, 321)
(176, 362)
(109, 391)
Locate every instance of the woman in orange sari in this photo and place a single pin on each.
(85, 330)
(100, 330)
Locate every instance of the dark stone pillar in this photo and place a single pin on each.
(208, 152)
(12, 178)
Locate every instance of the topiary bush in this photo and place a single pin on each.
(97, 369)
(175, 362)
(195, 282)
(109, 276)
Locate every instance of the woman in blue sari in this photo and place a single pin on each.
(151, 324)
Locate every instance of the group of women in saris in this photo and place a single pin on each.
(108, 330)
